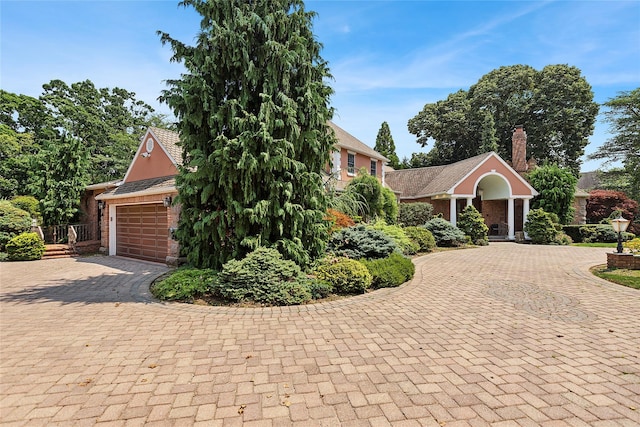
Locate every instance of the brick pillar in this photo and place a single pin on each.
(519, 149)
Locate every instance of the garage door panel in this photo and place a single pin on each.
(141, 231)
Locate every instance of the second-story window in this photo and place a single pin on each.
(351, 163)
(374, 167)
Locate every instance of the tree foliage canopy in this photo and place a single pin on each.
(386, 146)
(556, 188)
(253, 111)
(555, 105)
(623, 116)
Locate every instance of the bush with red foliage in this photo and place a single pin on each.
(339, 220)
(602, 203)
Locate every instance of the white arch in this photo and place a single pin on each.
(504, 180)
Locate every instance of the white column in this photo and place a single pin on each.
(525, 212)
(511, 219)
(469, 201)
(452, 211)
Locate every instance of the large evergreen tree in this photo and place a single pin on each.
(623, 116)
(555, 105)
(252, 107)
(386, 146)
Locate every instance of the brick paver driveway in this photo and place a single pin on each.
(501, 335)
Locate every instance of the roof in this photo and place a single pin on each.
(588, 181)
(103, 185)
(432, 180)
(169, 141)
(350, 142)
(164, 184)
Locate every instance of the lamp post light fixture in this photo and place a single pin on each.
(620, 225)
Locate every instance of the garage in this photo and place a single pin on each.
(142, 231)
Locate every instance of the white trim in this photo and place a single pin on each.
(453, 211)
(113, 221)
(143, 143)
(511, 218)
(505, 164)
(525, 214)
(153, 192)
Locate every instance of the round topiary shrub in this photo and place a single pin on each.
(263, 277)
(13, 221)
(422, 237)
(360, 242)
(25, 247)
(347, 276)
(446, 234)
(391, 271)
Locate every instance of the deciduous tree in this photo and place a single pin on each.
(252, 109)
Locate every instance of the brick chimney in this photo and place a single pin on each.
(519, 149)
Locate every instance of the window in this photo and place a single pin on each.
(351, 163)
(374, 167)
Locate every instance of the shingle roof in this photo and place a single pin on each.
(163, 184)
(169, 141)
(432, 180)
(350, 142)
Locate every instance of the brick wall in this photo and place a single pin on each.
(628, 261)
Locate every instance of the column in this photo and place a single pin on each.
(452, 211)
(511, 219)
(469, 201)
(525, 212)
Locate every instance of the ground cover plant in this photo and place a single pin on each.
(185, 284)
(391, 271)
(621, 276)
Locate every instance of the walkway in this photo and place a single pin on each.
(504, 335)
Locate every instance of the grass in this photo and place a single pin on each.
(595, 245)
(621, 276)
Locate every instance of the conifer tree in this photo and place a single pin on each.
(253, 107)
(386, 146)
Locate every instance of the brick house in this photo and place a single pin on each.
(135, 217)
(496, 189)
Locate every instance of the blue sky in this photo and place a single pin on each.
(388, 58)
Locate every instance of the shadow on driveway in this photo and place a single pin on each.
(84, 280)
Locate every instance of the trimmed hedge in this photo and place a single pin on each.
(13, 221)
(391, 271)
(25, 247)
(422, 237)
(347, 276)
(185, 284)
(263, 277)
(595, 233)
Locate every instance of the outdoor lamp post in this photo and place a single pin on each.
(619, 225)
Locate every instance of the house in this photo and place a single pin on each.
(496, 189)
(135, 217)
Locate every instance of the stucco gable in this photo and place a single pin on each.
(155, 156)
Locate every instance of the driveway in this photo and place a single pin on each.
(504, 335)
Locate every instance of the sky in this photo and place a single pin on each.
(388, 58)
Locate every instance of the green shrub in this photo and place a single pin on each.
(25, 247)
(573, 231)
(389, 206)
(347, 276)
(446, 234)
(185, 284)
(263, 277)
(360, 242)
(391, 271)
(472, 224)
(320, 289)
(399, 237)
(27, 203)
(13, 221)
(414, 214)
(562, 239)
(422, 237)
(602, 233)
(540, 227)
